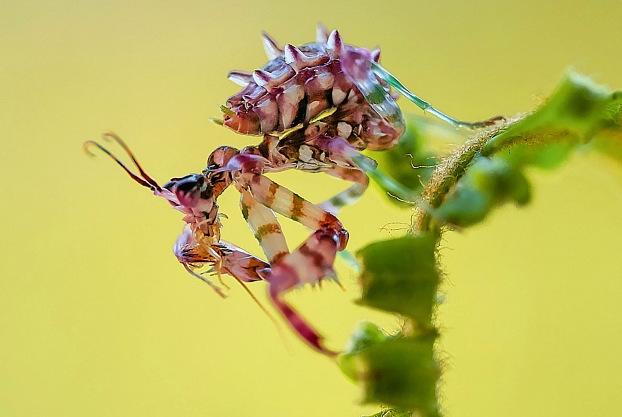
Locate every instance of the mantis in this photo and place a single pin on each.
(316, 108)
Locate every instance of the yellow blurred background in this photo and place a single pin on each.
(97, 318)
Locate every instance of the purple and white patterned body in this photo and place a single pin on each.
(300, 83)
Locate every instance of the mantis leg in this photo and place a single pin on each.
(385, 75)
(223, 257)
(264, 225)
(362, 69)
(310, 262)
(240, 264)
(293, 206)
(339, 149)
(351, 194)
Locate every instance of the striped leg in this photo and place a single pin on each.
(362, 69)
(310, 262)
(350, 195)
(291, 205)
(264, 225)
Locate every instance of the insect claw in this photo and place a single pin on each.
(270, 46)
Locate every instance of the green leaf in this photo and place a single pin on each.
(577, 107)
(400, 275)
(578, 111)
(366, 334)
(400, 372)
(613, 111)
(609, 140)
(546, 155)
(487, 183)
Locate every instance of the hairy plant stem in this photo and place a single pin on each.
(449, 171)
(443, 179)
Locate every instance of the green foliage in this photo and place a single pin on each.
(576, 113)
(366, 335)
(403, 285)
(398, 370)
(608, 140)
(402, 276)
(487, 183)
(573, 115)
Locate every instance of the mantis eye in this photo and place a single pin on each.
(188, 189)
(189, 182)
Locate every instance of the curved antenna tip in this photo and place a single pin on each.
(86, 148)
